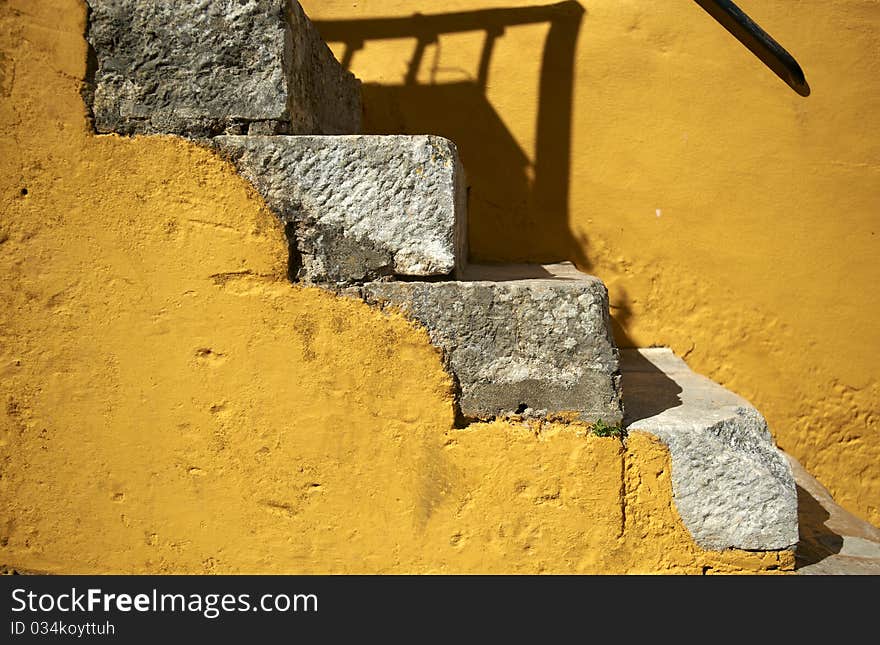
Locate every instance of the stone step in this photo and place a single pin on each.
(384, 217)
(518, 339)
(360, 207)
(204, 68)
(732, 486)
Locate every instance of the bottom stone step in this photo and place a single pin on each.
(518, 338)
(732, 486)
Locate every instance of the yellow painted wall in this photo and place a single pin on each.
(172, 404)
(731, 219)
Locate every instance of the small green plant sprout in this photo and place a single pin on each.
(602, 429)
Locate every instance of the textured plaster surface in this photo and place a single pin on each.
(172, 404)
(731, 219)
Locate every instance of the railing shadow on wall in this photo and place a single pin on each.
(513, 198)
(518, 207)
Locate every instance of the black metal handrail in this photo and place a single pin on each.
(494, 21)
(761, 44)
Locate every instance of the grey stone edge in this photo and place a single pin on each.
(517, 336)
(359, 208)
(268, 70)
(732, 486)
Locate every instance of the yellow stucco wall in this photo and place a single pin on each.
(172, 404)
(730, 218)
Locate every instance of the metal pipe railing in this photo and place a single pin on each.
(761, 44)
(427, 28)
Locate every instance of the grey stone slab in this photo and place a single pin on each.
(732, 486)
(360, 207)
(204, 67)
(541, 344)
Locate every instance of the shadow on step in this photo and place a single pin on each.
(647, 390)
(817, 541)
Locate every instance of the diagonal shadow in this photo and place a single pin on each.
(817, 541)
(647, 389)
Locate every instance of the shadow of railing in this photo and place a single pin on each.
(518, 205)
(526, 199)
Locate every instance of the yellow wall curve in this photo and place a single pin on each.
(731, 219)
(172, 404)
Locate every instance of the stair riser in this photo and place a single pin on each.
(200, 69)
(361, 207)
(542, 345)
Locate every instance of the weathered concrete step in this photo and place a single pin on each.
(227, 66)
(361, 207)
(732, 486)
(518, 338)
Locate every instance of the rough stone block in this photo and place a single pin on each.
(518, 338)
(201, 68)
(732, 486)
(360, 207)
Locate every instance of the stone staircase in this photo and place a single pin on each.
(383, 218)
